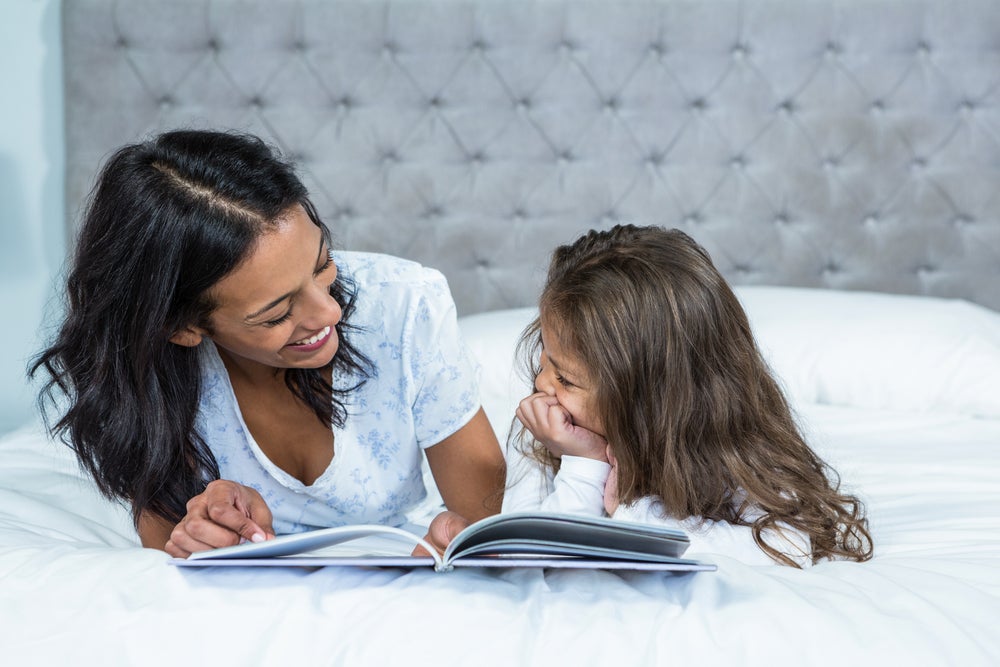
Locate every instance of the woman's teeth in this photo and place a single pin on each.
(314, 339)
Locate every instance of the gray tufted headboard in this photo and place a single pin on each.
(849, 144)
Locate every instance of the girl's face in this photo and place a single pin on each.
(275, 309)
(565, 377)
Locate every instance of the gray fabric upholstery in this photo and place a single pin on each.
(849, 144)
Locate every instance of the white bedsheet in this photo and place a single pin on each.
(76, 589)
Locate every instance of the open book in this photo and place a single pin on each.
(519, 539)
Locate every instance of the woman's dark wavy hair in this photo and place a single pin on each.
(167, 220)
(688, 404)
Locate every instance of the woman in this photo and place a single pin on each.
(231, 377)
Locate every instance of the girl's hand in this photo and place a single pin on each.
(552, 425)
(222, 515)
(611, 486)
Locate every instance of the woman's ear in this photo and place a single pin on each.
(187, 337)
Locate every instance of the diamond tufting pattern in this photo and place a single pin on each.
(849, 144)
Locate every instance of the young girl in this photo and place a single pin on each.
(229, 375)
(653, 403)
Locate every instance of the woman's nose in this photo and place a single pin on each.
(327, 310)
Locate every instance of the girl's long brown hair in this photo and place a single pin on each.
(688, 403)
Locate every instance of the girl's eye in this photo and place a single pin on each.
(281, 320)
(563, 381)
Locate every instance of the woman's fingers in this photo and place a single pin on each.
(442, 531)
(224, 514)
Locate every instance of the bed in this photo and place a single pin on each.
(838, 159)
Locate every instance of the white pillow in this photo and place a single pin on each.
(857, 349)
(879, 351)
(492, 338)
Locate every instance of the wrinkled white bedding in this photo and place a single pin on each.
(75, 588)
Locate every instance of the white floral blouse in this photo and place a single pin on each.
(426, 388)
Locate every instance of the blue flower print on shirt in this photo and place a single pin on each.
(381, 446)
(270, 496)
(397, 401)
(423, 311)
(428, 397)
(395, 502)
(395, 351)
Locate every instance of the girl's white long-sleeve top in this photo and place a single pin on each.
(578, 488)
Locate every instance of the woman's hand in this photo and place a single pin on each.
(552, 425)
(224, 514)
(442, 531)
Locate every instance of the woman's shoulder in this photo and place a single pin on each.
(395, 294)
(371, 268)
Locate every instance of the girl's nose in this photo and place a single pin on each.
(544, 384)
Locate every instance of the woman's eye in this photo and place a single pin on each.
(281, 320)
(326, 265)
(563, 381)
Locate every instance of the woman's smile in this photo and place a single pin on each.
(314, 342)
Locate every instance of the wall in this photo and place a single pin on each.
(32, 239)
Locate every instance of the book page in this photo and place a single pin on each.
(346, 541)
(565, 534)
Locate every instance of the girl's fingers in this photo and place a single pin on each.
(530, 410)
(557, 417)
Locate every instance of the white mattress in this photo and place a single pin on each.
(76, 589)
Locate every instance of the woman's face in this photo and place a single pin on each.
(275, 309)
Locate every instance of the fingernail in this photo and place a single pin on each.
(257, 537)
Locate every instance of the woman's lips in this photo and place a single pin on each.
(314, 342)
